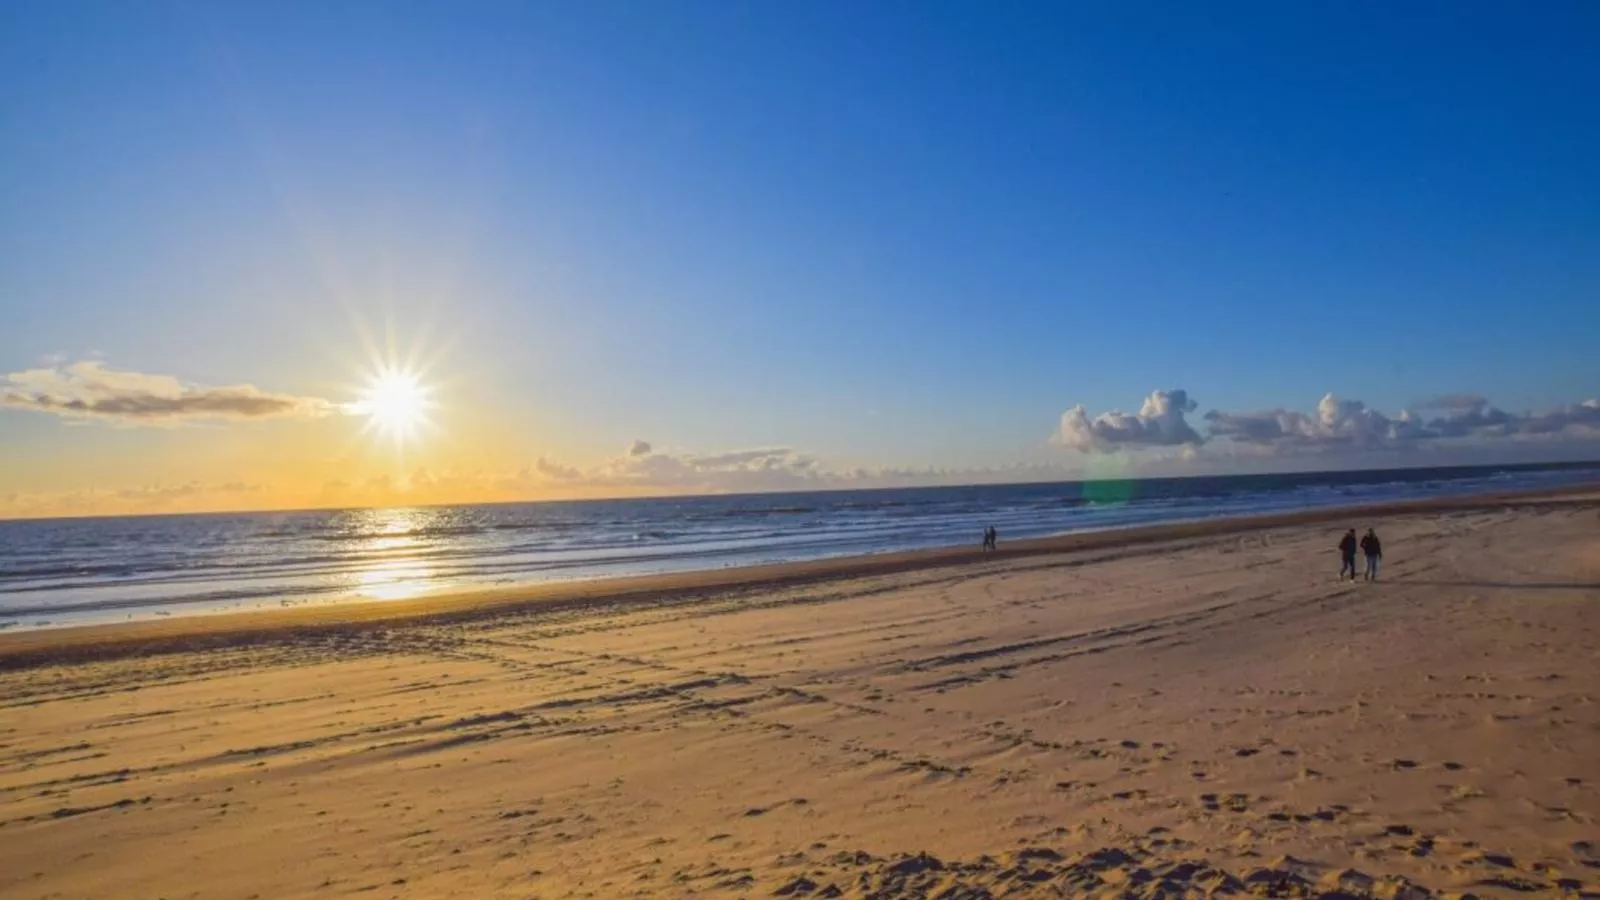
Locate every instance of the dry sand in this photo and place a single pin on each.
(1205, 715)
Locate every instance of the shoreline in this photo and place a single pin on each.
(78, 643)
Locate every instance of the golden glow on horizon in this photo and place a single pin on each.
(395, 402)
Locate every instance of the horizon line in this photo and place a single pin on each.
(1522, 466)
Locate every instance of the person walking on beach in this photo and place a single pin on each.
(1347, 553)
(1374, 552)
(990, 537)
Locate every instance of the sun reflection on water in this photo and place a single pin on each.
(385, 544)
(393, 579)
(387, 572)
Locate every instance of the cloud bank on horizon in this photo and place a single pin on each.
(87, 389)
(1336, 425)
(638, 469)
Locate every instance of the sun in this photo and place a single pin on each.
(394, 402)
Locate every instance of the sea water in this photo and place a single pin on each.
(67, 571)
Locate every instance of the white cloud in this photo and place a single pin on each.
(1159, 423)
(1336, 425)
(1351, 424)
(88, 390)
(761, 469)
(1585, 415)
(556, 471)
(1467, 415)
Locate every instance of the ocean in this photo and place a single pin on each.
(58, 572)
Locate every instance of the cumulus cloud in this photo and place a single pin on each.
(1159, 423)
(1585, 415)
(1336, 424)
(89, 390)
(555, 471)
(1466, 415)
(766, 468)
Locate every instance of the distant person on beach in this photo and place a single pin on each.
(990, 537)
(1347, 553)
(1374, 552)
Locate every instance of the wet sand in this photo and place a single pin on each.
(1199, 711)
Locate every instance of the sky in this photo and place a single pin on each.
(630, 248)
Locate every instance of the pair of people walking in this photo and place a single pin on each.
(990, 539)
(1368, 545)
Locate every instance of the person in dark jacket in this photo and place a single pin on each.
(1347, 554)
(1374, 552)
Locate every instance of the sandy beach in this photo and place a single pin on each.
(1197, 711)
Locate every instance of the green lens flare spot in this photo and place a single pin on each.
(1107, 481)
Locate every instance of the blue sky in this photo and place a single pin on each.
(887, 234)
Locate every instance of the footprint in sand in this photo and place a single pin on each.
(1423, 846)
(1499, 860)
(800, 885)
(1236, 803)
